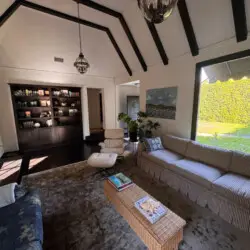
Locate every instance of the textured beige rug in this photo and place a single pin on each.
(77, 215)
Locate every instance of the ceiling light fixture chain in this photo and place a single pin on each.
(81, 62)
(156, 11)
(79, 26)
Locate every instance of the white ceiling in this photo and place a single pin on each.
(30, 39)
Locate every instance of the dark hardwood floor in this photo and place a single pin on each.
(36, 161)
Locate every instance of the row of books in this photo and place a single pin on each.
(151, 209)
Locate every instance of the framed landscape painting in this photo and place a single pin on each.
(161, 103)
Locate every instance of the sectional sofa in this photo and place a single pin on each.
(214, 178)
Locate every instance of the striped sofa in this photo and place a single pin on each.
(214, 178)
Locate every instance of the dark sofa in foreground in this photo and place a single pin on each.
(21, 225)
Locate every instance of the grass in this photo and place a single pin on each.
(223, 128)
(240, 144)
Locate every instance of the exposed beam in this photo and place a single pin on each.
(7, 14)
(158, 42)
(240, 20)
(118, 15)
(83, 22)
(188, 27)
(112, 39)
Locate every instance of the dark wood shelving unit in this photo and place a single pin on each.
(62, 129)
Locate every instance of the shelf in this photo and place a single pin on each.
(33, 118)
(66, 116)
(35, 128)
(65, 128)
(58, 107)
(66, 97)
(32, 97)
(34, 107)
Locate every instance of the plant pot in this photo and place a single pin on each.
(133, 136)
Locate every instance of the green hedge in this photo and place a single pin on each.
(227, 102)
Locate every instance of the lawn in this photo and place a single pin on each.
(240, 144)
(223, 128)
(216, 129)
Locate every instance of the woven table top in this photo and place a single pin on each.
(164, 229)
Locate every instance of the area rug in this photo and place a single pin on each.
(77, 216)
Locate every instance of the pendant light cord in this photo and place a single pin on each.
(80, 39)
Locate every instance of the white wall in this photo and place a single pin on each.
(7, 75)
(180, 72)
(1, 147)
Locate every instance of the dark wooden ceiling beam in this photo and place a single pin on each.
(158, 42)
(188, 27)
(240, 20)
(83, 22)
(7, 14)
(124, 24)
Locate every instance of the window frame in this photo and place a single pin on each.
(199, 66)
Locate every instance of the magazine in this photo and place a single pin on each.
(151, 209)
(120, 181)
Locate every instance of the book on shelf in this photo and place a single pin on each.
(120, 181)
(150, 208)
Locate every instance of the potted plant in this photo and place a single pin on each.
(150, 126)
(142, 126)
(132, 126)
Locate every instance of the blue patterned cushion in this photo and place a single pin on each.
(21, 224)
(153, 144)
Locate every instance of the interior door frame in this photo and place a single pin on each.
(132, 96)
(199, 66)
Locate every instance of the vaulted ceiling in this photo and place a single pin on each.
(31, 37)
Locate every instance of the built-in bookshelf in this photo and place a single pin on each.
(48, 114)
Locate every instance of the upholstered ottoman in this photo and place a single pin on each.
(102, 160)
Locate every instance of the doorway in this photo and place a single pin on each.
(133, 106)
(95, 106)
(128, 101)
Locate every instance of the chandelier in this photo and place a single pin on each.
(81, 62)
(156, 11)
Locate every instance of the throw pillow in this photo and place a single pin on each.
(7, 194)
(153, 144)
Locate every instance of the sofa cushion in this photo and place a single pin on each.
(240, 164)
(21, 223)
(197, 172)
(234, 187)
(175, 144)
(213, 156)
(118, 151)
(113, 143)
(153, 144)
(162, 157)
(114, 133)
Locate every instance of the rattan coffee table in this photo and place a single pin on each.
(164, 234)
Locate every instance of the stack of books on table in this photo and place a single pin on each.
(151, 209)
(120, 181)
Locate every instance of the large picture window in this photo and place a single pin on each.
(223, 104)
